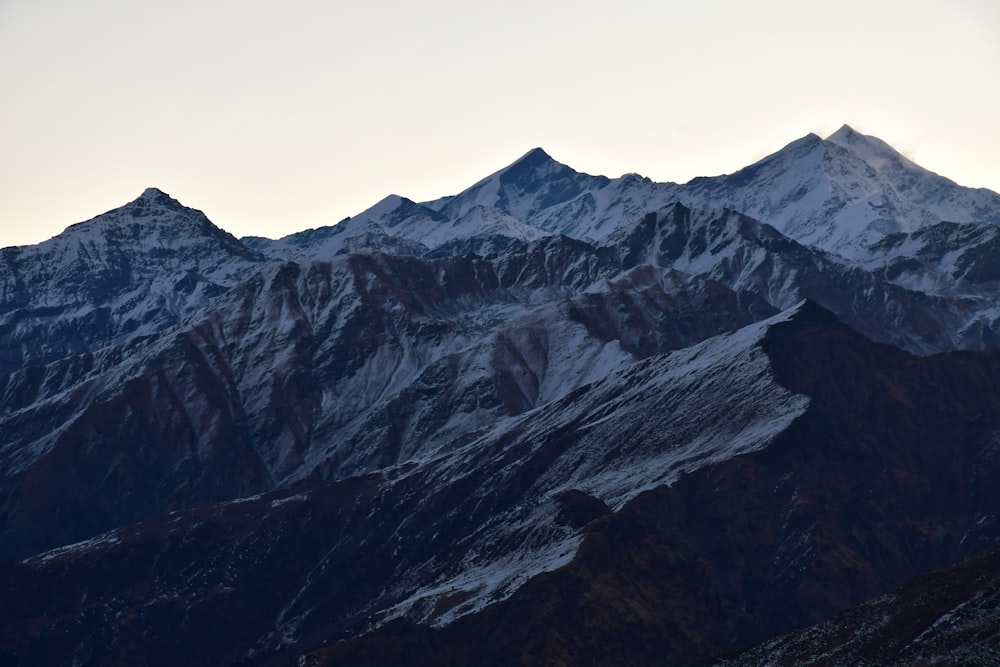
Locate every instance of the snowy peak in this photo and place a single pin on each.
(129, 272)
(156, 195)
(535, 157)
(534, 165)
(861, 144)
(394, 210)
(876, 153)
(530, 184)
(843, 193)
(393, 224)
(153, 212)
(153, 204)
(806, 143)
(549, 196)
(846, 135)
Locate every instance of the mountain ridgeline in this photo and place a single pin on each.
(553, 419)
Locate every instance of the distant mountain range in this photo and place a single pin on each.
(553, 419)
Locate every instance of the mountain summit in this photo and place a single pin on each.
(127, 272)
(157, 195)
(843, 193)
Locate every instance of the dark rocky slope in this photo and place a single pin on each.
(949, 616)
(433, 539)
(893, 470)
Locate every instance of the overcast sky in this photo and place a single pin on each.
(276, 117)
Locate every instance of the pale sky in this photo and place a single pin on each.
(274, 117)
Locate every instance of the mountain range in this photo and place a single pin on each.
(553, 419)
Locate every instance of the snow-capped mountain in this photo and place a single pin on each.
(549, 196)
(842, 193)
(396, 225)
(531, 423)
(533, 197)
(379, 228)
(127, 273)
(375, 359)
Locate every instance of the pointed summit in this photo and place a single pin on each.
(876, 152)
(394, 209)
(846, 135)
(525, 189)
(807, 141)
(152, 203)
(536, 153)
(155, 197)
(534, 157)
(154, 218)
(536, 163)
(153, 193)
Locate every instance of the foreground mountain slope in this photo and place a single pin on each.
(946, 617)
(891, 471)
(628, 499)
(432, 539)
(130, 272)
